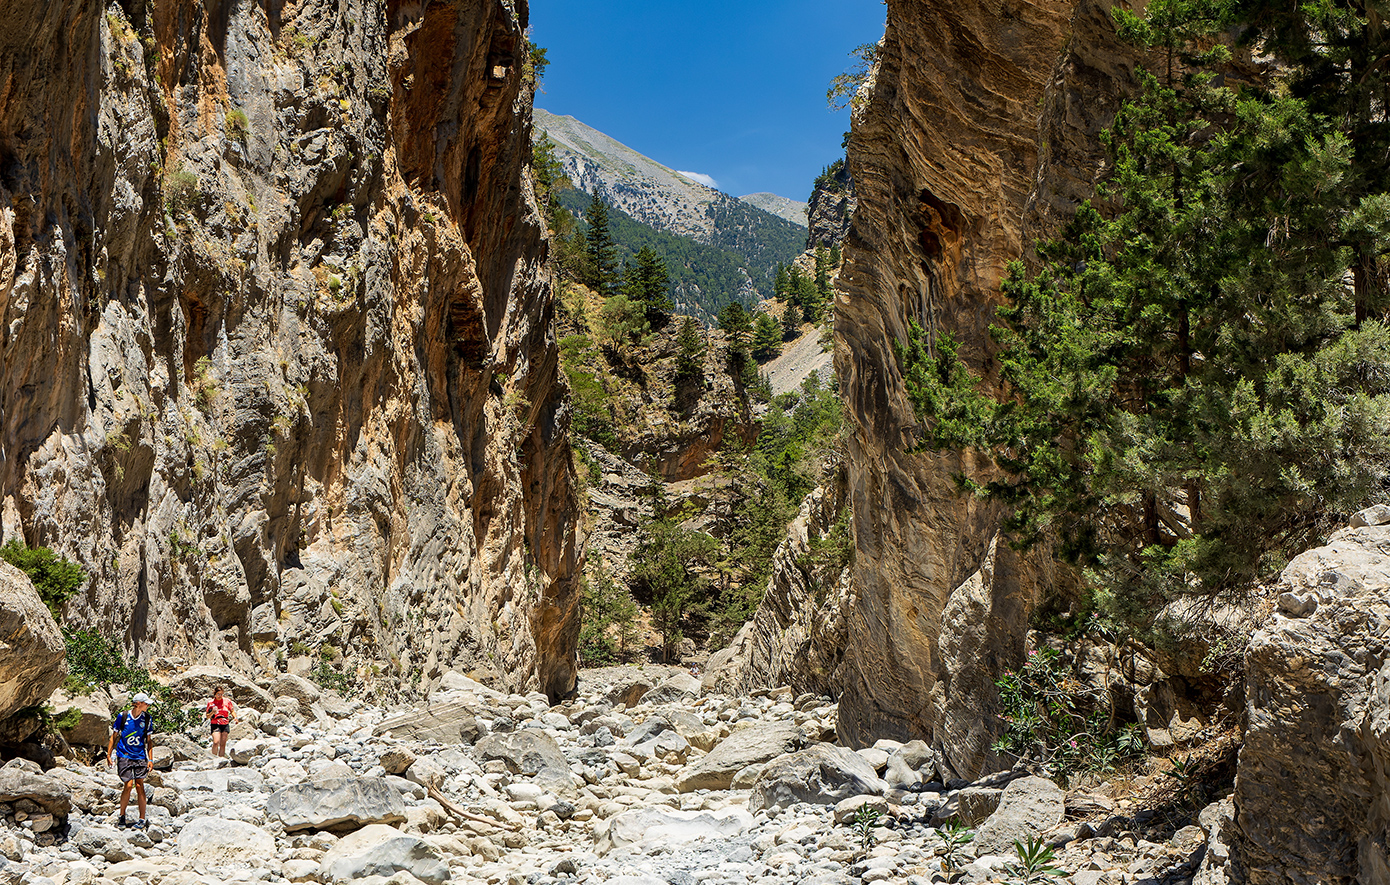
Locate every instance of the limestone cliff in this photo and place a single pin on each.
(977, 129)
(832, 206)
(278, 363)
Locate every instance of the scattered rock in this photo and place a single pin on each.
(448, 723)
(744, 747)
(47, 792)
(218, 841)
(379, 850)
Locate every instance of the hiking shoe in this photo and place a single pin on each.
(140, 824)
(121, 822)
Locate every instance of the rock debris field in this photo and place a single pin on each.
(642, 780)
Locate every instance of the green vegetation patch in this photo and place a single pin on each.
(57, 579)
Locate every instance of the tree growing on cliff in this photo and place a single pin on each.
(690, 358)
(56, 578)
(1190, 390)
(647, 283)
(844, 86)
(767, 337)
(791, 322)
(600, 252)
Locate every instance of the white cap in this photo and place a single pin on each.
(142, 698)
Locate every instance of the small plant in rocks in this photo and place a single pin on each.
(866, 819)
(1036, 862)
(956, 836)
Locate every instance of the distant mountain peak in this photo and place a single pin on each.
(650, 192)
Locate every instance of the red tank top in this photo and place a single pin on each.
(221, 711)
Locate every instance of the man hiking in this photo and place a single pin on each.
(130, 739)
(221, 713)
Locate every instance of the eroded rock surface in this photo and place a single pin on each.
(32, 658)
(955, 172)
(1318, 708)
(278, 362)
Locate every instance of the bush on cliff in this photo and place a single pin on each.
(57, 579)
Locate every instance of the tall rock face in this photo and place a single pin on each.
(977, 131)
(277, 362)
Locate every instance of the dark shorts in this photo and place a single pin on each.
(131, 769)
(224, 727)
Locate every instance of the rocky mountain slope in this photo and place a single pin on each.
(668, 201)
(278, 365)
(783, 207)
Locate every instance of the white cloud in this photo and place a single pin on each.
(706, 180)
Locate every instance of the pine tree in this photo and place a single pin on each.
(646, 282)
(791, 322)
(1335, 57)
(668, 566)
(1188, 394)
(779, 283)
(736, 325)
(690, 360)
(767, 337)
(600, 252)
(823, 266)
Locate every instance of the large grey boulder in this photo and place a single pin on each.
(93, 725)
(1312, 787)
(678, 687)
(32, 653)
(913, 763)
(336, 804)
(452, 722)
(822, 774)
(215, 840)
(669, 827)
(379, 850)
(48, 792)
(744, 747)
(196, 684)
(1027, 808)
(533, 753)
(304, 692)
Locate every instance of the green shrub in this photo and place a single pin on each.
(96, 662)
(181, 189)
(325, 676)
(56, 578)
(237, 126)
(1052, 716)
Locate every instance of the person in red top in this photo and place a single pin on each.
(221, 713)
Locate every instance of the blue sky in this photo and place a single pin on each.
(730, 90)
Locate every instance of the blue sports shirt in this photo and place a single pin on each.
(130, 735)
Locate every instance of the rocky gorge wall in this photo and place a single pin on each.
(977, 131)
(278, 363)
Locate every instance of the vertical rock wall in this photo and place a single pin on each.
(977, 132)
(277, 362)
